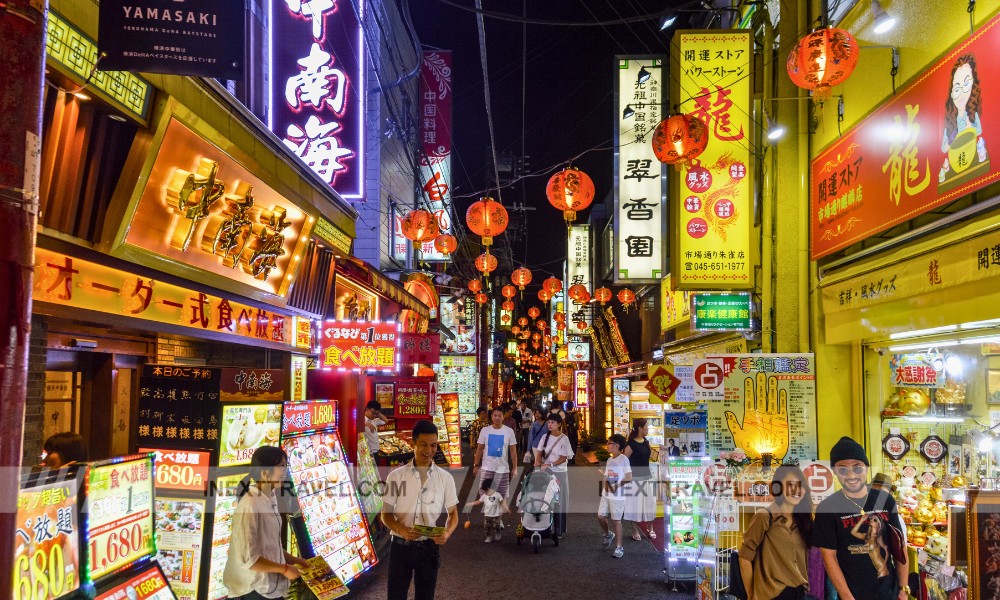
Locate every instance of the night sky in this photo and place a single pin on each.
(568, 101)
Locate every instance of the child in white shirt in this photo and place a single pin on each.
(493, 506)
(617, 472)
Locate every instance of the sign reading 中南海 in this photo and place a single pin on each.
(928, 145)
(119, 511)
(201, 38)
(640, 218)
(578, 271)
(713, 215)
(721, 312)
(239, 384)
(318, 88)
(360, 345)
(581, 388)
(47, 539)
(435, 140)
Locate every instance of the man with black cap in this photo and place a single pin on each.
(856, 530)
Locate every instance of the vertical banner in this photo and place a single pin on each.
(640, 185)
(578, 271)
(435, 138)
(713, 212)
(317, 88)
(400, 246)
(767, 405)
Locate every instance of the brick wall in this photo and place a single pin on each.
(34, 410)
(170, 348)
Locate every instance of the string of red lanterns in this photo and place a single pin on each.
(570, 190)
(487, 218)
(679, 139)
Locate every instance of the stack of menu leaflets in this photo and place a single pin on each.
(321, 579)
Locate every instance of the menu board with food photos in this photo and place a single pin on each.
(337, 528)
(459, 316)
(178, 406)
(246, 427)
(225, 505)
(459, 374)
(367, 479)
(147, 584)
(119, 509)
(179, 527)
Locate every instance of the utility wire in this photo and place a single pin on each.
(518, 19)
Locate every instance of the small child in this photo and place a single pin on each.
(493, 506)
(617, 472)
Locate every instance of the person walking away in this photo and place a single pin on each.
(640, 495)
(617, 473)
(493, 506)
(509, 419)
(557, 408)
(553, 452)
(527, 417)
(856, 532)
(572, 426)
(373, 420)
(535, 433)
(63, 449)
(256, 566)
(496, 450)
(773, 557)
(418, 493)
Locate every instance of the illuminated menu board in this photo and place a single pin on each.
(225, 506)
(459, 374)
(47, 539)
(179, 526)
(149, 584)
(246, 427)
(119, 513)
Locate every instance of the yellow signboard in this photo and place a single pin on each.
(675, 306)
(712, 208)
(70, 281)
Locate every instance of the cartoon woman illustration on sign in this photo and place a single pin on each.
(963, 143)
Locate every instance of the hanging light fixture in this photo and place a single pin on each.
(578, 292)
(559, 317)
(419, 226)
(507, 305)
(882, 20)
(445, 243)
(541, 325)
(482, 298)
(516, 330)
(544, 295)
(822, 59)
(521, 277)
(487, 218)
(644, 75)
(581, 325)
(486, 262)
(475, 286)
(552, 285)
(626, 297)
(679, 139)
(523, 321)
(602, 294)
(570, 190)
(533, 312)
(508, 291)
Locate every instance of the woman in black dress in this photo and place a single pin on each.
(640, 495)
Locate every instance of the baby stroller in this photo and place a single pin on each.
(537, 502)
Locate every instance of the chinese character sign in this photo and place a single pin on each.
(119, 514)
(360, 345)
(578, 271)
(712, 210)
(581, 388)
(415, 399)
(400, 245)
(768, 405)
(46, 541)
(420, 348)
(178, 406)
(925, 370)
(318, 57)
(640, 239)
(434, 117)
(928, 145)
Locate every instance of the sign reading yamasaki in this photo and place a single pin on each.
(640, 233)
(194, 37)
(713, 214)
(769, 406)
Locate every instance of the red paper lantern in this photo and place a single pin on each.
(521, 277)
(475, 285)
(445, 243)
(541, 324)
(515, 330)
(523, 321)
(559, 317)
(482, 298)
(536, 336)
(536, 345)
(581, 325)
(486, 262)
(544, 295)
(560, 326)
(552, 285)
(508, 291)
(570, 190)
(533, 312)
(626, 296)
(419, 226)
(505, 319)
(679, 139)
(825, 57)
(602, 294)
(507, 305)
(487, 218)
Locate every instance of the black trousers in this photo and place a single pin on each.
(418, 563)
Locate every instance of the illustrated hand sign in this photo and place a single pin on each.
(765, 419)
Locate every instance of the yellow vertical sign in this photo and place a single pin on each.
(675, 306)
(712, 198)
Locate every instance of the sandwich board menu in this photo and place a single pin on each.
(119, 510)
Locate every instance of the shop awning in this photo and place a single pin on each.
(366, 274)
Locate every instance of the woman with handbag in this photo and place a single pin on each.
(773, 559)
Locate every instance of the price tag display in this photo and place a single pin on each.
(120, 514)
(180, 469)
(46, 542)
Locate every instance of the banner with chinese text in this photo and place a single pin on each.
(768, 404)
(254, 385)
(435, 140)
(360, 345)
(178, 406)
(578, 253)
(712, 214)
(318, 88)
(640, 190)
(927, 145)
(415, 399)
(420, 348)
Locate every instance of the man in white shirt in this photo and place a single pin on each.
(373, 420)
(495, 452)
(418, 494)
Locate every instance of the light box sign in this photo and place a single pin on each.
(246, 427)
(149, 584)
(300, 417)
(415, 399)
(578, 351)
(254, 385)
(47, 539)
(928, 145)
(119, 513)
(721, 311)
(69, 281)
(180, 524)
(581, 388)
(640, 193)
(180, 469)
(318, 88)
(435, 141)
(353, 302)
(712, 215)
(201, 208)
(360, 346)
(578, 271)
(675, 305)
(459, 316)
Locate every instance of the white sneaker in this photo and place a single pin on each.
(496, 537)
(489, 538)
(619, 552)
(609, 538)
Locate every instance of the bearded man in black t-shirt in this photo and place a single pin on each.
(853, 529)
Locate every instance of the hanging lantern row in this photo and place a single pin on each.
(533, 312)
(482, 298)
(602, 294)
(521, 277)
(552, 285)
(523, 321)
(507, 305)
(486, 262)
(679, 139)
(487, 218)
(541, 325)
(823, 58)
(516, 330)
(544, 295)
(420, 226)
(570, 190)
(475, 286)
(508, 291)
(445, 243)
(559, 317)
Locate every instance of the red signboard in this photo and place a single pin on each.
(927, 146)
(299, 417)
(415, 399)
(180, 469)
(240, 385)
(147, 585)
(420, 348)
(662, 383)
(360, 345)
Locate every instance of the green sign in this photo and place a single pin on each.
(721, 311)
